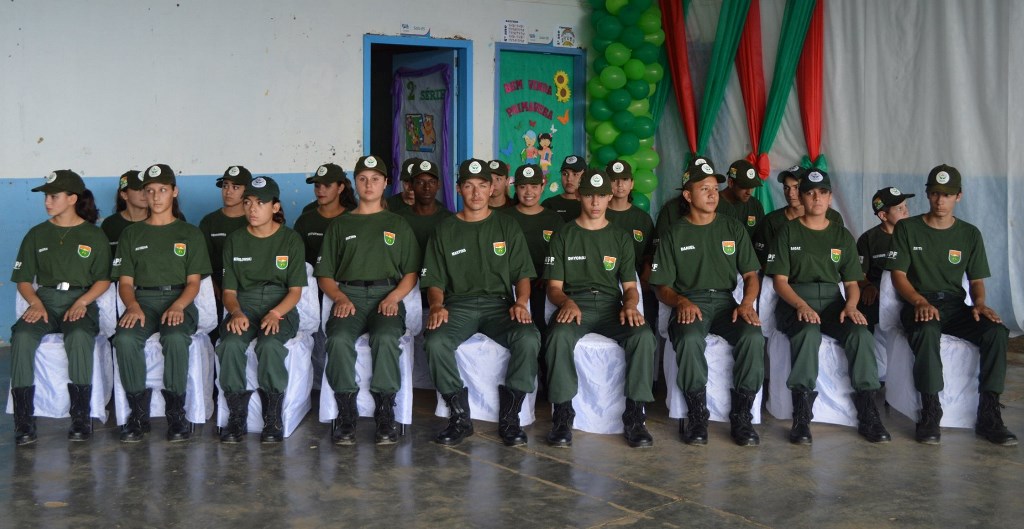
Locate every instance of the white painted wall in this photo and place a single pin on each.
(102, 86)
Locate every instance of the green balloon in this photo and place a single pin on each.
(600, 44)
(647, 159)
(597, 4)
(605, 154)
(590, 125)
(629, 160)
(598, 13)
(613, 6)
(650, 21)
(600, 63)
(606, 133)
(634, 69)
(647, 53)
(656, 37)
(626, 143)
(638, 88)
(653, 73)
(638, 107)
(645, 143)
(612, 77)
(644, 181)
(623, 120)
(609, 28)
(629, 15)
(599, 110)
(643, 127)
(619, 100)
(596, 89)
(633, 37)
(641, 200)
(641, 5)
(617, 54)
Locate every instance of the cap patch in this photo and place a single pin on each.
(322, 170)
(259, 183)
(617, 167)
(596, 180)
(154, 171)
(895, 192)
(815, 177)
(51, 177)
(700, 161)
(751, 174)
(494, 165)
(707, 169)
(528, 172)
(233, 171)
(370, 162)
(424, 166)
(794, 168)
(877, 204)
(942, 177)
(571, 160)
(474, 167)
(142, 175)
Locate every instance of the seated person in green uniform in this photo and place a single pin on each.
(675, 208)
(263, 280)
(334, 197)
(217, 225)
(588, 260)
(930, 255)
(637, 223)
(810, 256)
(889, 205)
(130, 207)
(407, 198)
(739, 193)
(158, 265)
(426, 212)
(499, 185)
(69, 258)
(477, 273)
(695, 269)
(769, 227)
(568, 203)
(367, 265)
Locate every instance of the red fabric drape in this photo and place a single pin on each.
(809, 75)
(673, 23)
(750, 70)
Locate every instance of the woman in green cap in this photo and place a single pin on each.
(264, 272)
(69, 258)
(130, 207)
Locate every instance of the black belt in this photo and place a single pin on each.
(162, 288)
(374, 283)
(942, 296)
(576, 292)
(64, 285)
(691, 293)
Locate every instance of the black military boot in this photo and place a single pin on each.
(694, 430)
(81, 423)
(741, 419)
(238, 417)
(343, 432)
(803, 404)
(869, 424)
(384, 417)
(634, 429)
(561, 425)
(460, 426)
(137, 425)
(178, 428)
(990, 421)
(510, 402)
(273, 422)
(927, 429)
(24, 415)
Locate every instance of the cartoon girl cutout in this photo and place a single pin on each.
(530, 153)
(545, 152)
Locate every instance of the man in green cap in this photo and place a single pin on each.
(889, 205)
(769, 227)
(406, 198)
(426, 212)
(739, 193)
(499, 185)
(809, 259)
(567, 204)
(473, 263)
(930, 255)
(674, 209)
(592, 280)
(331, 186)
(625, 215)
(217, 225)
(695, 271)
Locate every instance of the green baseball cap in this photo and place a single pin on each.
(129, 180)
(423, 167)
(498, 167)
(529, 174)
(744, 175)
(944, 179)
(573, 163)
(888, 197)
(327, 173)
(236, 174)
(815, 179)
(263, 188)
(158, 174)
(796, 172)
(594, 182)
(700, 168)
(408, 166)
(60, 180)
(473, 168)
(371, 163)
(619, 170)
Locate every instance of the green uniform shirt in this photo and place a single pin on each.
(569, 209)
(482, 258)
(814, 256)
(368, 248)
(112, 226)
(591, 259)
(397, 205)
(772, 223)
(216, 227)
(251, 262)
(670, 214)
(50, 254)
(639, 226)
(538, 230)
(423, 226)
(749, 213)
(873, 248)
(161, 255)
(936, 260)
(692, 257)
(312, 226)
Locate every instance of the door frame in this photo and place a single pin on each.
(463, 84)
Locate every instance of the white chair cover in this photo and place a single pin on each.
(51, 365)
(364, 365)
(960, 367)
(199, 388)
(298, 363)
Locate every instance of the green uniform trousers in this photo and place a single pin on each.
(805, 338)
(490, 316)
(384, 331)
(955, 319)
(129, 343)
(271, 374)
(600, 315)
(688, 340)
(79, 337)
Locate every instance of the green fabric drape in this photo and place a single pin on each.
(731, 20)
(795, 20)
